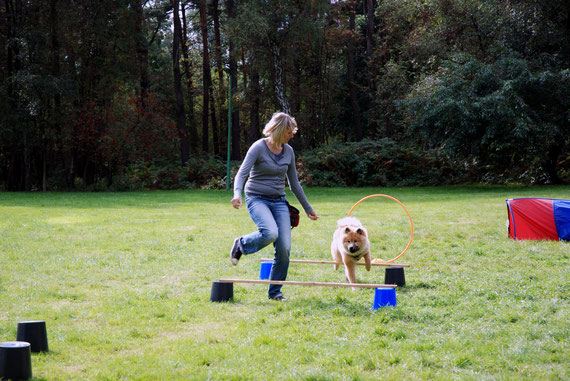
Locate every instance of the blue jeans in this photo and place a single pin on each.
(271, 215)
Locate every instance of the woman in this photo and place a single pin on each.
(267, 163)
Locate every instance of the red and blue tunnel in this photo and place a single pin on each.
(539, 218)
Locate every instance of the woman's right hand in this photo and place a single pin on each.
(236, 202)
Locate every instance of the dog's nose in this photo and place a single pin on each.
(353, 249)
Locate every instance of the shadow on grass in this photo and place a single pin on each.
(160, 198)
(416, 286)
(136, 199)
(338, 306)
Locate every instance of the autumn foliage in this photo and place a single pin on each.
(128, 130)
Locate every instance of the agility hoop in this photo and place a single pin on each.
(409, 217)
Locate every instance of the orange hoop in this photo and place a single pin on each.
(408, 213)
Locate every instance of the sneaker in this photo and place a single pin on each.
(280, 298)
(235, 253)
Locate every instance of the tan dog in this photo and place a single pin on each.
(350, 243)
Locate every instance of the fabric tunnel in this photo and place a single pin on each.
(539, 219)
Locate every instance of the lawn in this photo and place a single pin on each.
(123, 282)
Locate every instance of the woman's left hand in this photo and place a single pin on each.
(312, 215)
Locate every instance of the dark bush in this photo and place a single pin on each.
(376, 163)
(357, 164)
(201, 171)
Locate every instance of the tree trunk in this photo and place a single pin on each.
(218, 40)
(48, 122)
(55, 120)
(278, 77)
(44, 169)
(13, 17)
(215, 131)
(236, 131)
(355, 110)
(296, 97)
(212, 99)
(255, 90)
(388, 121)
(142, 52)
(206, 77)
(373, 122)
(180, 113)
(244, 69)
(369, 27)
(27, 161)
(189, 84)
(219, 68)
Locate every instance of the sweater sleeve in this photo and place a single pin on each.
(243, 172)
(295, 185)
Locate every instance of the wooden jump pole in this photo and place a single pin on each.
(333, 262)
(320, 284)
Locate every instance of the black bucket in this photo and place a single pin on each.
(222, 292)
(15, 360)
(395, 275)
(35, 333)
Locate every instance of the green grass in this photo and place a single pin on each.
(123, 281)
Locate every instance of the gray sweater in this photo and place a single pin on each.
(267, 173)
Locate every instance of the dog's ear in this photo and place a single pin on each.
(347, 230)
(361, 232)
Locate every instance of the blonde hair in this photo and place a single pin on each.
(278, 126)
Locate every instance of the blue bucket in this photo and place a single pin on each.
(265, 270)
(384, 297)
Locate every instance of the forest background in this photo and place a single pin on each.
(133, 94)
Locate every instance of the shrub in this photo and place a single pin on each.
(501, 113)
(375, 163)
(201, 171)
